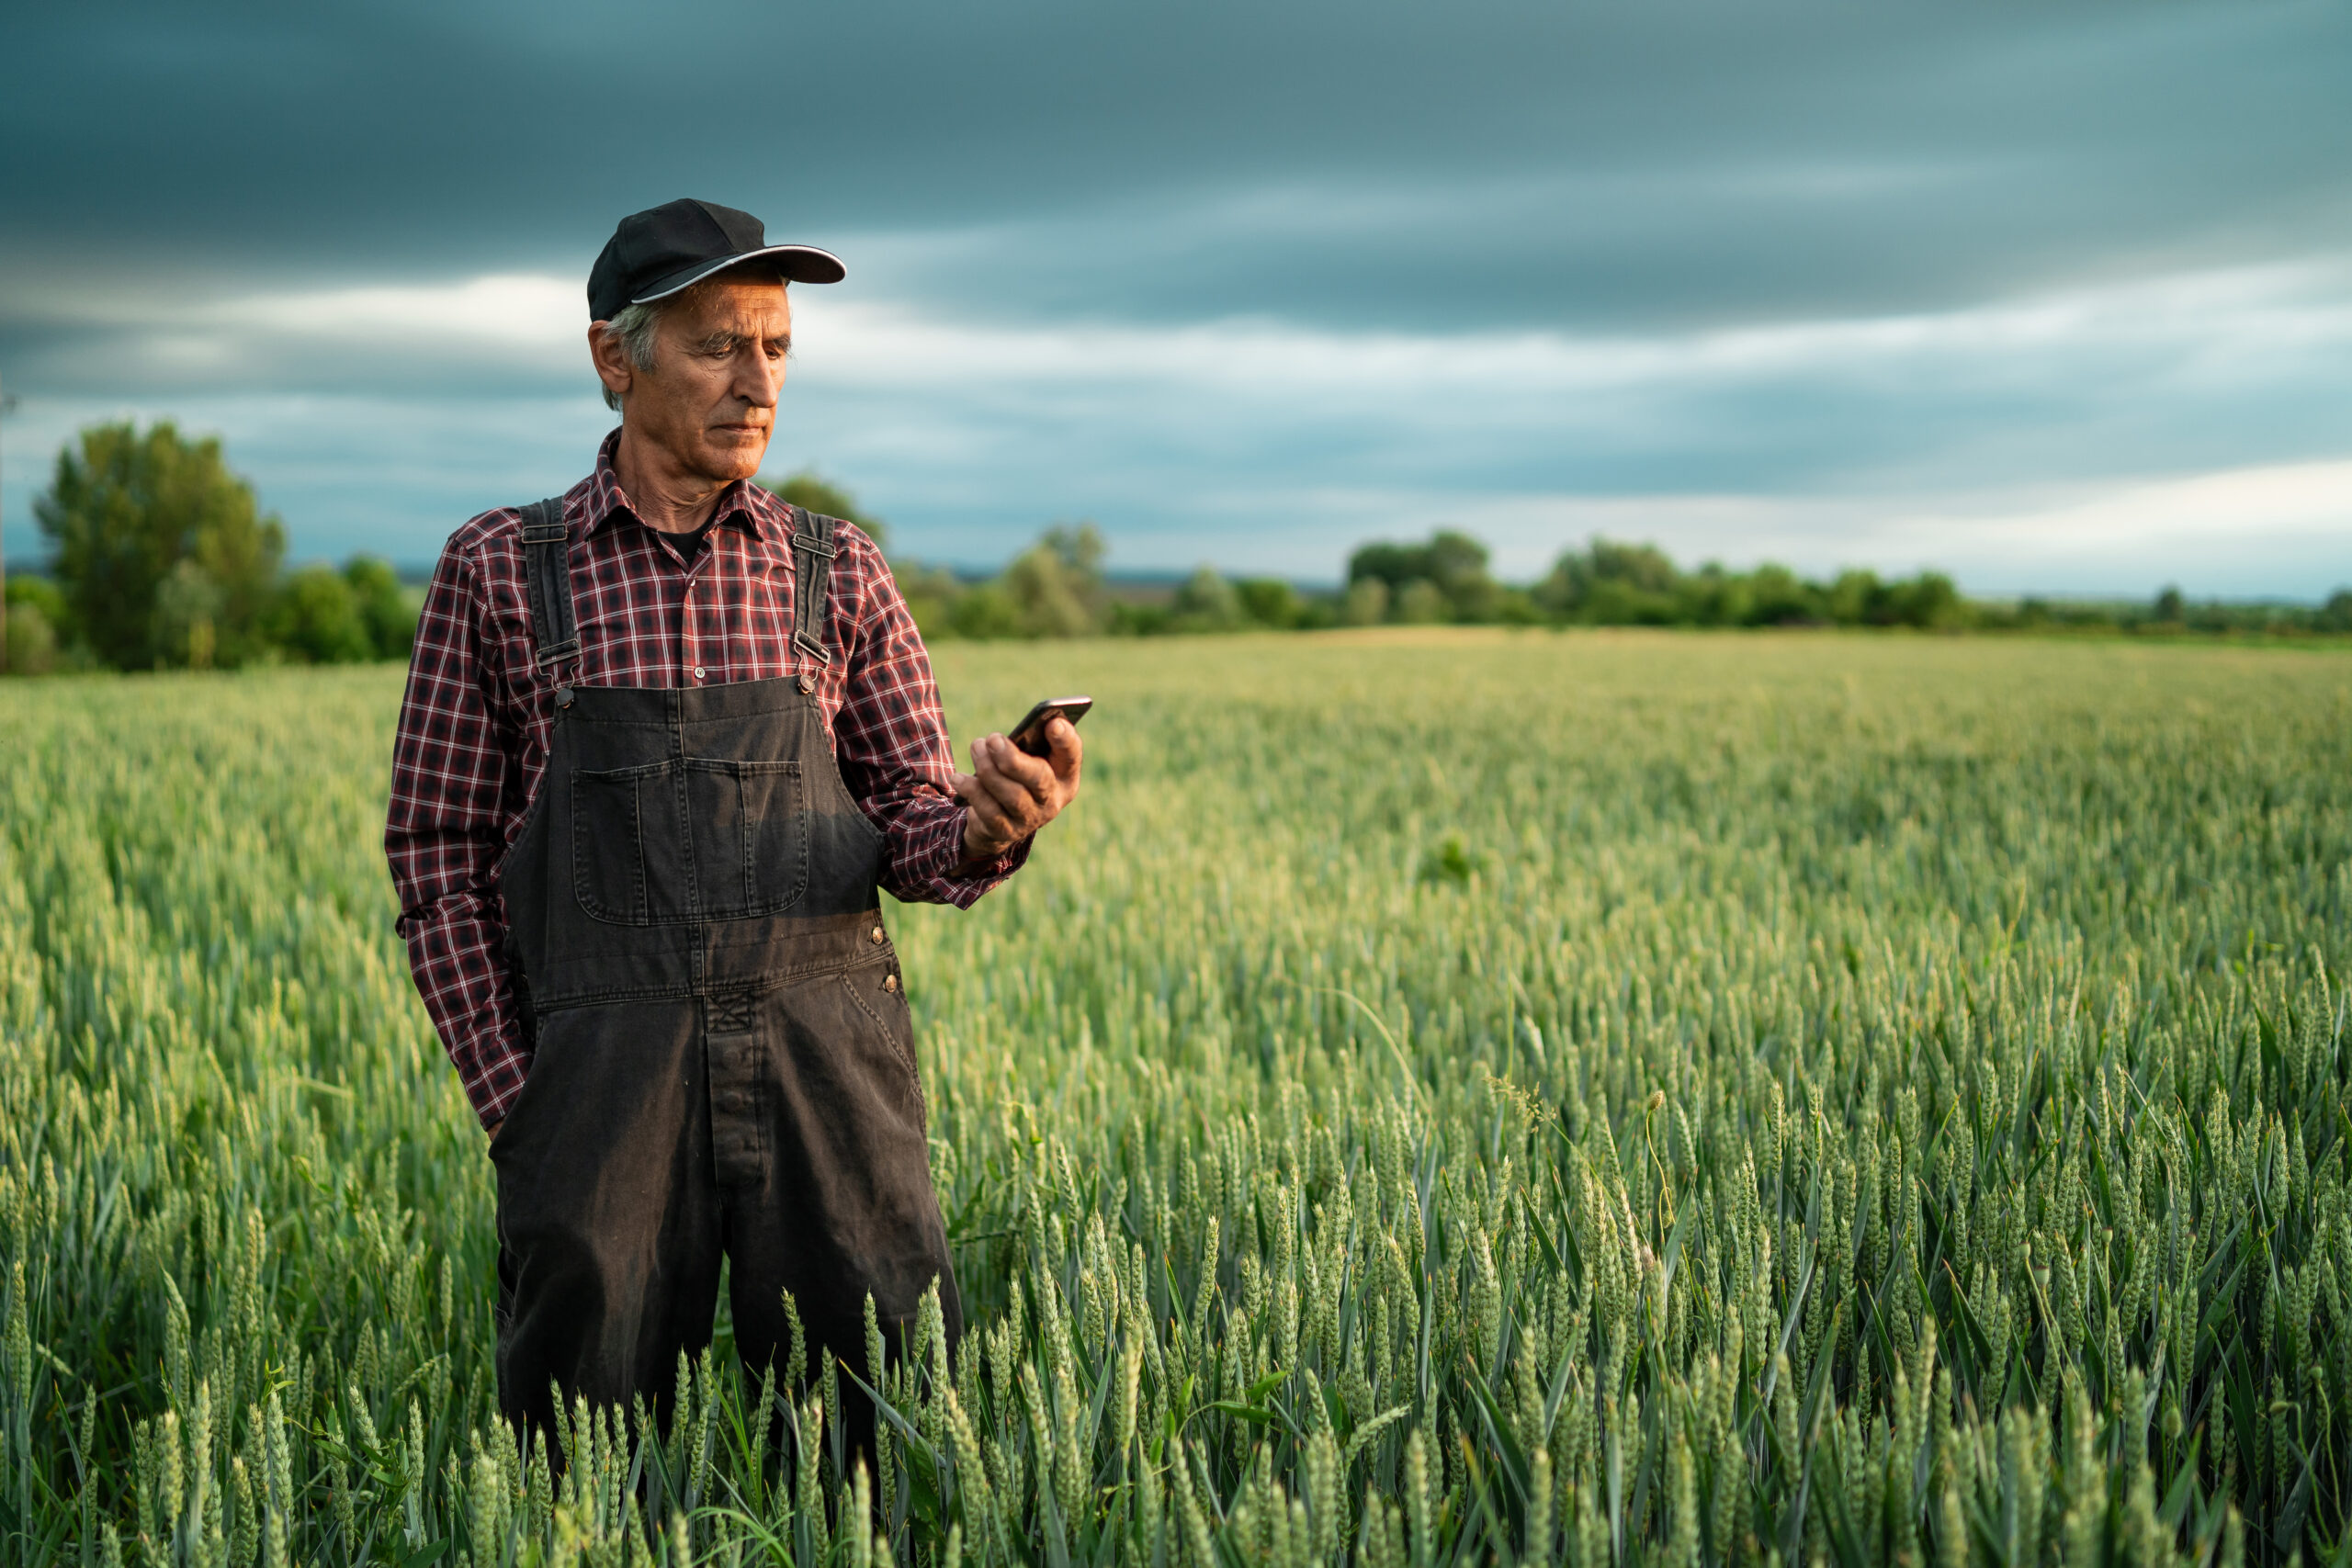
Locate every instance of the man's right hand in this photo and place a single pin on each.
(1010, 795)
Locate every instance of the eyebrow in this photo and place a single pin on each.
(723, 342)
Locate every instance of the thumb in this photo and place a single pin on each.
(1066, 750)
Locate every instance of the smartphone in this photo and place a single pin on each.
(1030, 733)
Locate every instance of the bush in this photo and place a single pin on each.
(318, 618)
(931, 593)
(1055, 586)
(986, 611)
(32, 641)
(37, 624)
(1609, 583)
(1450, 568)
(186, 620)
(1421, 602)
(1271, 602)
(1206, 602)
(385, 611)
(1131, 619)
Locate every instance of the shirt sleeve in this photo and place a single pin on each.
(891, 740)
(444, 834)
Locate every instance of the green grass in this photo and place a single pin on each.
(1436, 1098)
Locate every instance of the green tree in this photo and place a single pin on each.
(1451, 562)
(318, 617)
(1853, 599)
(1206, 602)
(932, 593)
(1779, 597)
(986, 611)
(1930, 601)
(1365, 603)
(805, 489)
(1421, 602)
(383, 608)
(1055, 586)
(162, 553)
(1608, 583)
(1271, 602)
(188, 607)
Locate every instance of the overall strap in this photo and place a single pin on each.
(547, 577)
(812, 574)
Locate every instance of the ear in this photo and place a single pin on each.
(610, 355)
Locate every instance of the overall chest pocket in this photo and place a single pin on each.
(689, 838)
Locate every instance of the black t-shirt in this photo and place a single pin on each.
(689, 545)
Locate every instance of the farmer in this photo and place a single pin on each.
(664, 737)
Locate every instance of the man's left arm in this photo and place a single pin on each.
(891, 742)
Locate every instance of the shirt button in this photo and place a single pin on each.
(889, 982)
(698, 672)
(808, 684)
(877, 933)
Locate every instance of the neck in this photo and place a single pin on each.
(664, 495)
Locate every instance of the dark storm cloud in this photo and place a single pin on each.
(1392, 164)
(1243, 281)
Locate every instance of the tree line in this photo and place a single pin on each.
(1058, 589)
(163, 559)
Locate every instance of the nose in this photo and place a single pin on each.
(758, 379)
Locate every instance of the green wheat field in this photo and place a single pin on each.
(1436, 1099)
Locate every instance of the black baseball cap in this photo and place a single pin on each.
(679, 244)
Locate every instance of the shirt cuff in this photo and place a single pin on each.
(931, 869)
(499, 1068)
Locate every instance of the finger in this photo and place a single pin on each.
(972, 788)
(1067, 749)
(994, 826)
(1033, 775)
(1016, 799)
(967, 789)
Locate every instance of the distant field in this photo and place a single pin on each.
(1437, 1097)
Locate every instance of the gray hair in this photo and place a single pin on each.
(635, 326)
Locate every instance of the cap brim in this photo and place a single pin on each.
(800, 264)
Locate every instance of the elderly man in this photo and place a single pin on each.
(663, 739)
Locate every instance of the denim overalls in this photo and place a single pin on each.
(724, 1061)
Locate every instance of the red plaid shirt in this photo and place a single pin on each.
(474, 727)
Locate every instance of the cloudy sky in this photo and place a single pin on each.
(2052, 297)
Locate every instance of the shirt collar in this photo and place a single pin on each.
(742, 504)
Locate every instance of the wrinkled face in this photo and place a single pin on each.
(709, 401)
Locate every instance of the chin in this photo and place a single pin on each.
(734, 461)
